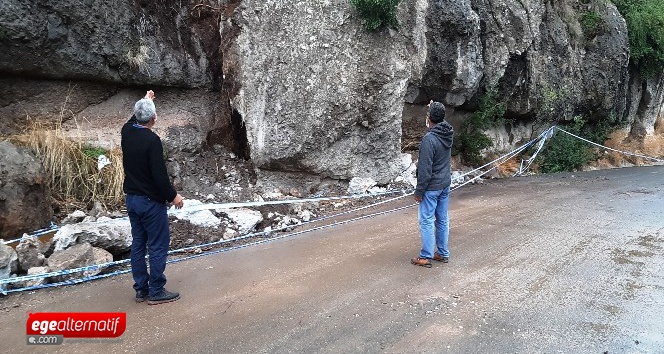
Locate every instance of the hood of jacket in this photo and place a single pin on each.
(444, 132)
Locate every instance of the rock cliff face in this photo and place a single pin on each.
(84, 61)
(645, 105)
(300, 86)
(318, 92)
(25, 203)
(129, 42)
(535, 53)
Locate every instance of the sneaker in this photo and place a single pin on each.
(141, 295)
(437, 257)
(163, 297)
(423, 262)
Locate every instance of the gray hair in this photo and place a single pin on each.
(144, 110)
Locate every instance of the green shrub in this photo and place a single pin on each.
(471, 144)
(94, 152)
(377, 13)
(564, 152)
(645, 25)
(472, 140)
(591, 23)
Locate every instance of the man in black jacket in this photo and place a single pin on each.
(433, 187)
(148, 191)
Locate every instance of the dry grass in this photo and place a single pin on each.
(508, 168)
(503, 168)
(652, 145)
(74, 178)
(659, 125)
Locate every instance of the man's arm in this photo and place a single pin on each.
(159, 170)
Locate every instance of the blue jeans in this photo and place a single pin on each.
(434, 223)
(149, 230)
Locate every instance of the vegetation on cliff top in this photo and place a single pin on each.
(645, 24)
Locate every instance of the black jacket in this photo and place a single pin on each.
(144, 166)
(433, 165)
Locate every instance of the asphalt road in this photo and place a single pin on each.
(566, 263)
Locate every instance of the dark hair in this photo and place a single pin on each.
(436, 112)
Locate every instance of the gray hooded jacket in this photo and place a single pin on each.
(433, 165)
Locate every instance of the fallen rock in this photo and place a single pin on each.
(113, 235)
(98, 210)
(202, 218)
(306, 215)
(75, 217)
(408, 169)
(230, 233)
(89, 219)
(101, 256)
(31, 253)
(457, 178)
(33, 282)
(77, 256)
(359, 185)
(287, 222)
(245, 219)
(8, 261)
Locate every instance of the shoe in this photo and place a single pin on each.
(163, 297)
(423, 262)
(437, 257)
(141, 295)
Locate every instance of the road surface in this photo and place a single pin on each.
(564, 263)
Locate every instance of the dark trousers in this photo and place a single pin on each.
(149, 229)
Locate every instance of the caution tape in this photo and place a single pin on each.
(181, 250)
(611, 149)
(225, 206)
(34, 234)
(222, 206)
(540, 140)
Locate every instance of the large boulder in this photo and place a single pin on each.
(77, 256)
(113, 235)
(25, 203)
(318, 92)
(300, 86)
(8, 261)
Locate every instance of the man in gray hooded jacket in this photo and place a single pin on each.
(433, 187)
